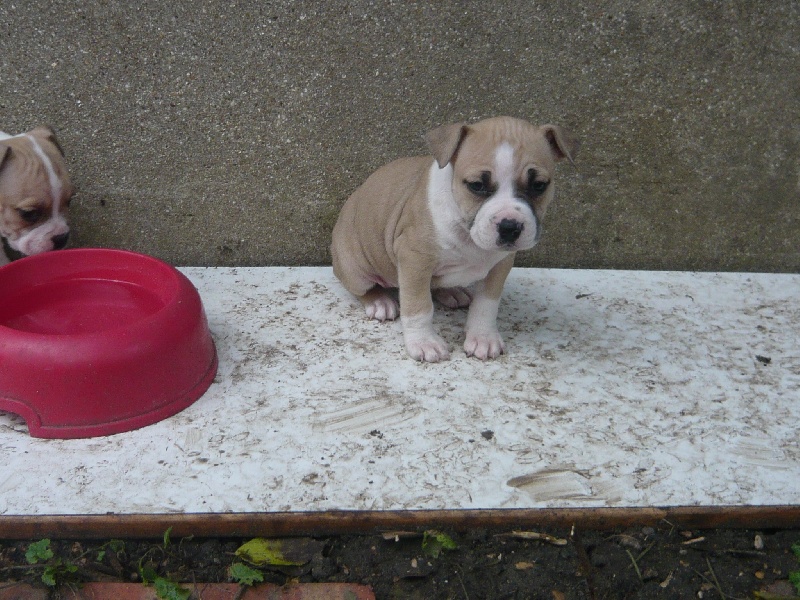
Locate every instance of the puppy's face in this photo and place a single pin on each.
(35, 192)
(502, 177)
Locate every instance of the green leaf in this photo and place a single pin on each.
(794, 579)
(57, 571)
(169, 590)
(148, 574)
(260, 551)
(166, 537)
(245, 575)
(796, 549)
(39, 551)
(434, 542)
(49, 576)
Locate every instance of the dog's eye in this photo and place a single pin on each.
(537, 187)
(30, 216)
(477, 187)
(480, 187)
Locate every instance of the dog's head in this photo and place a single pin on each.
(502, 177)
(35, 191)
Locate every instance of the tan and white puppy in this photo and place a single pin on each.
(35, 190)
(450, 223)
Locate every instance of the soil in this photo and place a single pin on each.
(642, 563)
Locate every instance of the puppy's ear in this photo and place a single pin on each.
(444, 141)
(5, 152)
(49, 134)
(562, 142)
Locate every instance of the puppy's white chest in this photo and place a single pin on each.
(464, 268)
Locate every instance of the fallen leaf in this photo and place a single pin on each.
(290, 552)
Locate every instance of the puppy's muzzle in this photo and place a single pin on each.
(508, 232)
(60, 240)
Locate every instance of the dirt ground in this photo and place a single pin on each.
(642, 563)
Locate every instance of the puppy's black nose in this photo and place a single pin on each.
(509, 230)
(60, 240)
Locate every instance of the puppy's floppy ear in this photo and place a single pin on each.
(444, 141)
(562, 142)
(49, 134)
(5, 152)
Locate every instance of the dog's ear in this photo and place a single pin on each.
(562, 142)
(5, 152)
(49, 134)
(444, 141)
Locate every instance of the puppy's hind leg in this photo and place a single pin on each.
(454, 297)
(380, 304)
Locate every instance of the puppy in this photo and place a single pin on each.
(35, 192)
(439, 224)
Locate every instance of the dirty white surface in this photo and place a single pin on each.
(618, 389)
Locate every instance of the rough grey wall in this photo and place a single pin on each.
(229, 133)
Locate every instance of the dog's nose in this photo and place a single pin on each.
(60, 240)
(509, 230)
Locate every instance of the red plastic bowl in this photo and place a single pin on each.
(95, 342)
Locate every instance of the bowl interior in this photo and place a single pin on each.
(74, 294)
(77, 306)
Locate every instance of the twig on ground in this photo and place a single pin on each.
(671, 525)
(645, 551)
(463, 587)
(714, 582)
(714, 577)
(696, 540)
(635, 566)
(535, 535)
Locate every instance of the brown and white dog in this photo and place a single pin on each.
(35, 191)
(449, 224)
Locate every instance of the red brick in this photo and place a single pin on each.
(221, 591)
(21, 591)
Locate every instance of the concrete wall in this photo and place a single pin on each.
(229, 133)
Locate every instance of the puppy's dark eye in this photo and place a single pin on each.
(30, 216)
(537, 187)
(481, 187)
(477, 187)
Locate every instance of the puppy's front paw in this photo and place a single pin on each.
(427, 348)
(484, 345)
(455, 297)
(381, 307)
